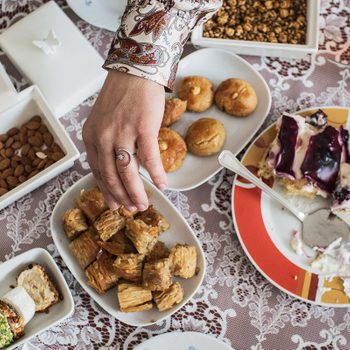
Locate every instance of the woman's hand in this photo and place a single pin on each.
(127, 114)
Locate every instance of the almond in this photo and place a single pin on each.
(33, 173)
(5, 163)
(3, 191)
(12, 132)
(9, 152)
(25, 160)
(17, 145)
(12, 181)
(41, 155)
(3, 153)
(35, 141)
(19, 170)
(22, 179)
(36, 118)
(42, 163)
(48, 139)
(43, 129)
(28, 168)
(9, 142)
(48, 163)
(25, 149)
(56, 156)
(36, 162)
(33, 125)
(3, 137)
(6, 173)
(31, 133)
(23, 137)
(1, 145)
(3, 184)
(13, 164)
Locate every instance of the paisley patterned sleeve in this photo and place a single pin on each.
(149, 42)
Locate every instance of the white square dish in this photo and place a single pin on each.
(217, 65)
(179, 232)
(22, 107)
(9, 271)
(68, 76)
(255, 48)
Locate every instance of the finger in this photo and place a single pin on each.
(110, 178)
(128, 173)
(92, 158)
(148, 153)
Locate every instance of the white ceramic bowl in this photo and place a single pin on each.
(179, 232)
(20, 108)
(9, 270)
(217, 65)
(246, 47)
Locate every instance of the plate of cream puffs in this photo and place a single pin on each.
(219, 102)
(140, 267)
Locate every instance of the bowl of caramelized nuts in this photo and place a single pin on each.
(287, 28)
(34, 147)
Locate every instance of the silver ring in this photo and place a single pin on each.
(124, 157)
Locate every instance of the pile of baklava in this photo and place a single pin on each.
(123, 248)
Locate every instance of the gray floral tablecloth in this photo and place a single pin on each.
(235, 303)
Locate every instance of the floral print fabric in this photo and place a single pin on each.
(150, 40)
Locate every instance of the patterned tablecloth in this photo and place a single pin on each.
(235, 303)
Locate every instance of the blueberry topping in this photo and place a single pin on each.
(287, 137)
(318, 119)
(342, 194)
(322, 160)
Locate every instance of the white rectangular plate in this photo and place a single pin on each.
(217, 65)
(179, 232)
(9, 270)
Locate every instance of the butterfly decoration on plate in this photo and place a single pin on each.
(49, 44)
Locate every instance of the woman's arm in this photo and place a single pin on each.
(150, 40)
(128, 112)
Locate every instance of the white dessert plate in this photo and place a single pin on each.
(183, 341)
(105, 14)
(9, 270)
(217, 65)
(265, 228)
(179, 232)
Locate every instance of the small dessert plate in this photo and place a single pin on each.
(273, 226)
(179, 232)
(9, 270)
(183, 340)
(105, 14)
(217, 65)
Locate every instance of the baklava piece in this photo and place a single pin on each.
(101, 273)
(129, 266)
(126, 213)
(143, 236)
(109, 223)
(74, 223)
(39, 286)
(152, 217)
(183, 260)
(133, 298)
(157, 275)
(85, 248)
(166, 299)
(159, 251)
(92, 203)
(118, 244)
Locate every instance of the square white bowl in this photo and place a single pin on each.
(19, 109)
(9, 270)
(255, 48)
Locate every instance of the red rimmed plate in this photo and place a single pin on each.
(264, 229)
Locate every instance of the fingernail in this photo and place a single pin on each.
(132, 208)
(162, 187)
(141, 207)
(114, 206)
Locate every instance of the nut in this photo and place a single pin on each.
(5, 163)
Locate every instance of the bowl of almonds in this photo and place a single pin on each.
(287, 28)
(34, 147)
